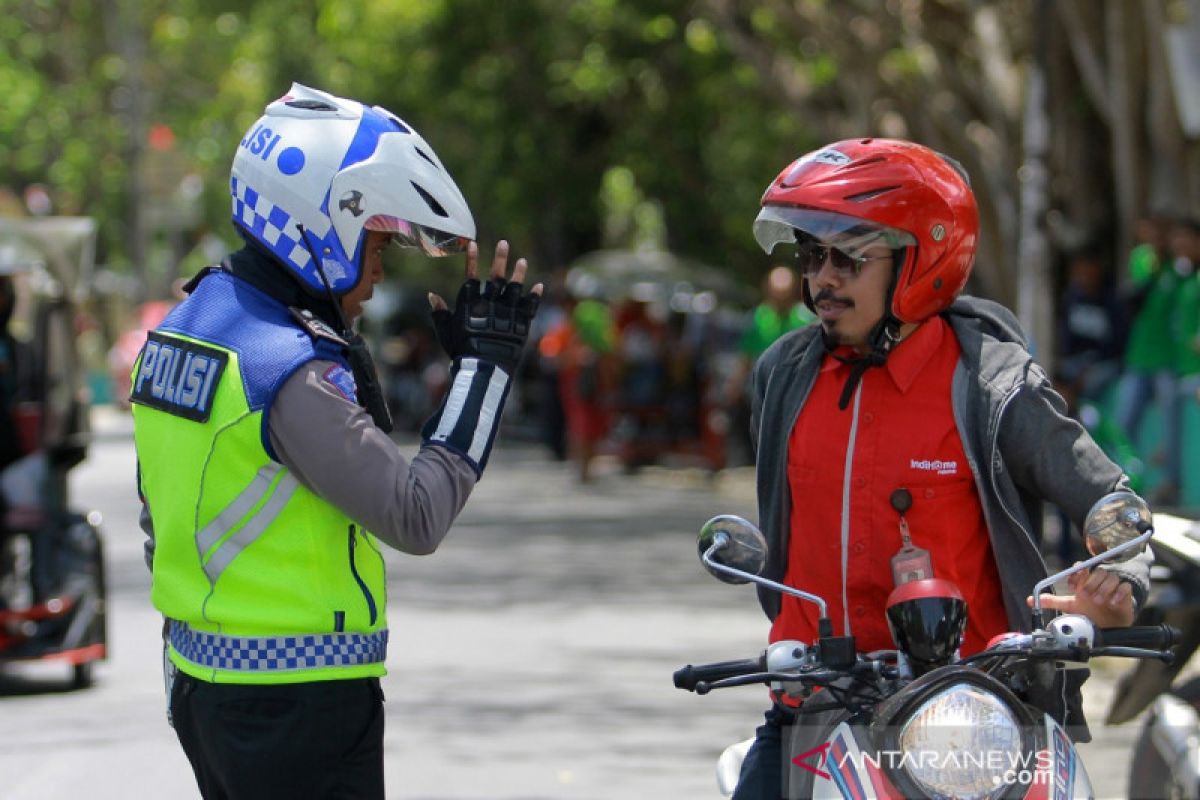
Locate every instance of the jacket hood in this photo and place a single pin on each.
(992, 318)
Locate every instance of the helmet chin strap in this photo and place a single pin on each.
(882, 339)
(366, 379)
(333, 299)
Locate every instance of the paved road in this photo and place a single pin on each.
(530, 658)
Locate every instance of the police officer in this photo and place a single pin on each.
(266, 473)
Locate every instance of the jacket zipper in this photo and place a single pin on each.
(371, 610)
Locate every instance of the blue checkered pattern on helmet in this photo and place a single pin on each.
(278, 653)
(271, 225)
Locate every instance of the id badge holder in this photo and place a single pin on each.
(910, 563)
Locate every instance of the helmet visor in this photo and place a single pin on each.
(429, 240)
(854, 236)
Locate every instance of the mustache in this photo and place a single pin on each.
(827, 294)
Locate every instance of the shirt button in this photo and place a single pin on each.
(860, 610)
(929, 493)
(868, 418)
(859, 547)
(860, 483)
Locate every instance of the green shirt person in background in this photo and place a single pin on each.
(1152, 357)
(780, 311)
(1185, 246)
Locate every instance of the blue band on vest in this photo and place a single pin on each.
(270, 343)
(278, 653)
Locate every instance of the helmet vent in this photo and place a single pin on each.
(864, 162)
(862, 197)
(425, 156)
(433, 204)
(311, 105)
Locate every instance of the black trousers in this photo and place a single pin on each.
(305, 740)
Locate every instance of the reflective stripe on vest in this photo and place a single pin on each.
(277, 653)
(233, 513)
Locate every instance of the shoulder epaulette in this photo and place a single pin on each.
(316, 327)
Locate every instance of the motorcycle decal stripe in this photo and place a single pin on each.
(277, 653)
(842, 769)
(1064, 766)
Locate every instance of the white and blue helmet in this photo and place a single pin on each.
(340, 168)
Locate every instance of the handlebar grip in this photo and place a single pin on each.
(1148, 637)
(689, 676)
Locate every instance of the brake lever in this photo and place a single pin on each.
(1165, 656)
(704, 687)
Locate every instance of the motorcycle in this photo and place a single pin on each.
(52, 581)
(1166, 758)
(920, 721)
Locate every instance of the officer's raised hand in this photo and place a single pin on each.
(491, 319)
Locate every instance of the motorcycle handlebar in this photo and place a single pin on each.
(689, 676)
(1147, 637)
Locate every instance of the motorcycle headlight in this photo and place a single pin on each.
(962, 742)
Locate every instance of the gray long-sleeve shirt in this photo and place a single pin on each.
(333, 448)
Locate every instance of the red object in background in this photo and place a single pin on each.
(161, 137)
(28, 417)
(124, 352)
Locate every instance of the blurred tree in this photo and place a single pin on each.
(956, 75)
(128, 110)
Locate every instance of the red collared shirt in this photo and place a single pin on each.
(843, 465)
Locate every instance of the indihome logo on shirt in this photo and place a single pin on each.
(935, 465)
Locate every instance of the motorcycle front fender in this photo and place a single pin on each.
(729, 766)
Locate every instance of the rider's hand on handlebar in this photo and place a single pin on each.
(1098, 594)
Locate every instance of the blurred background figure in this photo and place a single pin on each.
(780, 311)
(1151, 368)
(1091, 339)
(1092, 328)
(1185, 250)
(552, 332)
(587, 342)
(11, 380)
(413, 369)
(642, 348)
(1148, 254)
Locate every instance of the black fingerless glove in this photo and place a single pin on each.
(489, 321)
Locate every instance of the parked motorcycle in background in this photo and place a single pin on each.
(1165, 762)
(920, 721)
(52, 581)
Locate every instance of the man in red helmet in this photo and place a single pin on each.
(906, 385)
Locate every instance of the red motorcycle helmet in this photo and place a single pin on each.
(912, 196)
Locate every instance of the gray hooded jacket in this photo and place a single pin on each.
(1021, 447)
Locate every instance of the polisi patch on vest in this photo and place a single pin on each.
(178, 377)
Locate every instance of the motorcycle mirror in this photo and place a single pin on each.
(1117, 519)
(1117, 528)
(733, 542)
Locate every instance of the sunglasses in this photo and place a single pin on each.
(811, 256)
